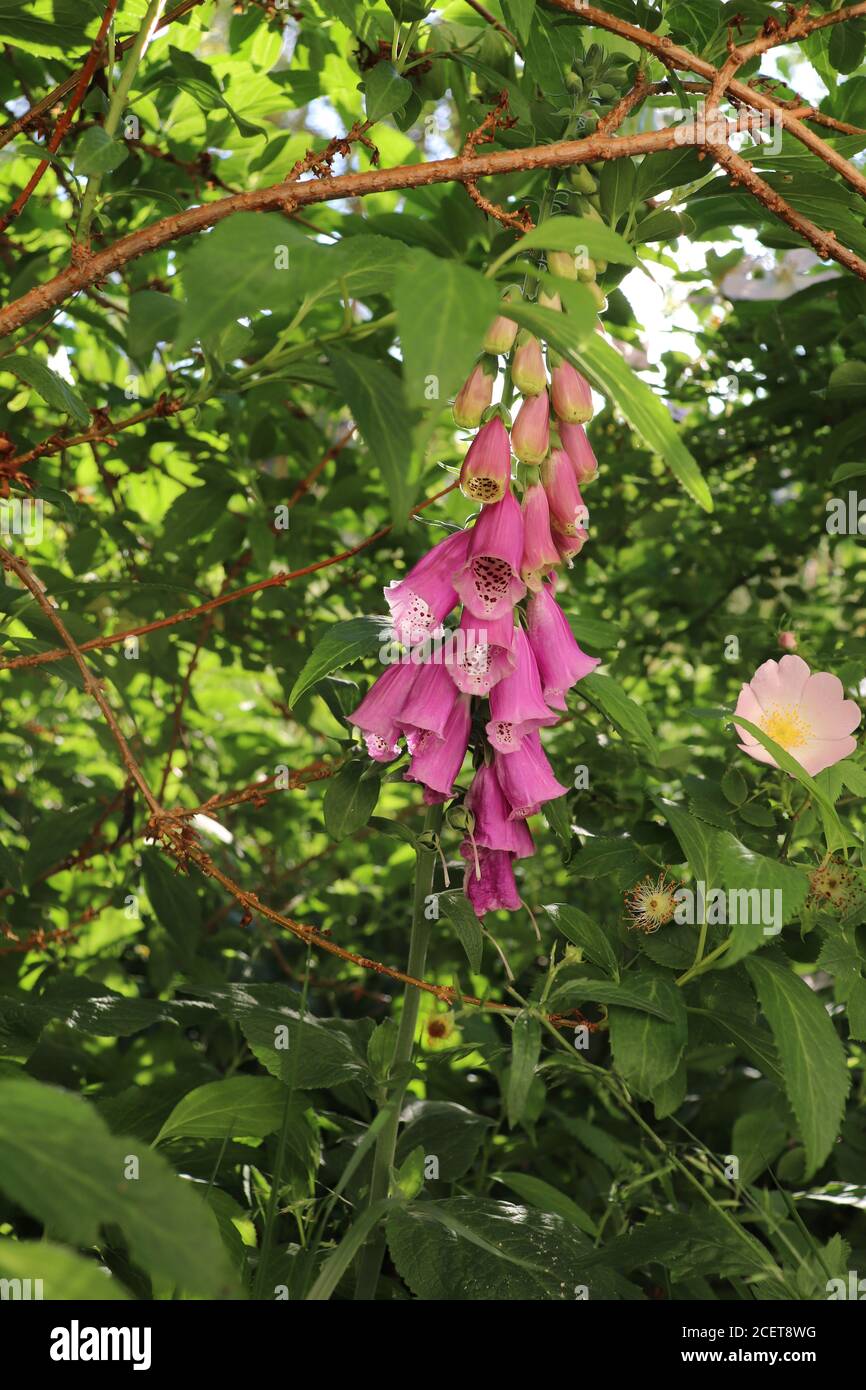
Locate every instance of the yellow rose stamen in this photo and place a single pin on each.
(786, 726)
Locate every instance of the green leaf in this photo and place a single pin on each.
(60, 1163)
(375, 397)
(153, 318)
(647, 1049)
(242, 266)
(469, 1250)
(342, 644)
(444, 1130)
(460, 913)
(350, 799)
(98, 153)
(813, 1059)
(542, 1195)
(598, 945)
(59, 1274)
(749, 880)
(606, 854)
(385, 92)
(758, 1138)
(616, 189)
(173, 899)
(443, 311)
(643, 994)
(47, 384)
(10, 868)
(606, 695)
(573, 234)
(519, 14)
(305, 1052)
(605, 369)
(525, 1052)
(246, 1106)
(55, 837)
(193, 512)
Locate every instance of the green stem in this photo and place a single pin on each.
(115, 112)
(277, 1175)
(370, 1262)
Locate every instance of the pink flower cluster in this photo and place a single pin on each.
(513, 648)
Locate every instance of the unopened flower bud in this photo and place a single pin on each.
(428, 841)
(527, 370)
(475, 395)
(462, 819)
(788, 641)
(530, 437)
(562, 263)
(500, 336)
(572, 398)
(550, 301)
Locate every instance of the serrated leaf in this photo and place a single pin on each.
(342, 644)
(53, 389)
(580, 928)
(443, 311)
(350, 800)
(246, 1106)
(460, 913)
(813, 1059)
(60, 1163)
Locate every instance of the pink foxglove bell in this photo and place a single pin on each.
(486, 470)
(489, 582)
(419, 602)
(559, 659)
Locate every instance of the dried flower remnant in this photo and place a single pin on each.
(651, 903)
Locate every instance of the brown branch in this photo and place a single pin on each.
(492, 20)
(90, 269)
(66, 119)
(496, 119)
(825, 243)
(91, 684)
(47, 103)
(273, 582)
(626, 104)
(673, 56)
(101, 429)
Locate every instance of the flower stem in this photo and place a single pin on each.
(115, 112)
(370, 1260)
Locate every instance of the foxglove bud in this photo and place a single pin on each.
(579, 450)
(500, 336)
(562, 263)
(550, 301)
(572, 398)
(475, 394)
(527, 370)
(540, 554)
(486, 469)
(568, 511)
(530, 438)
